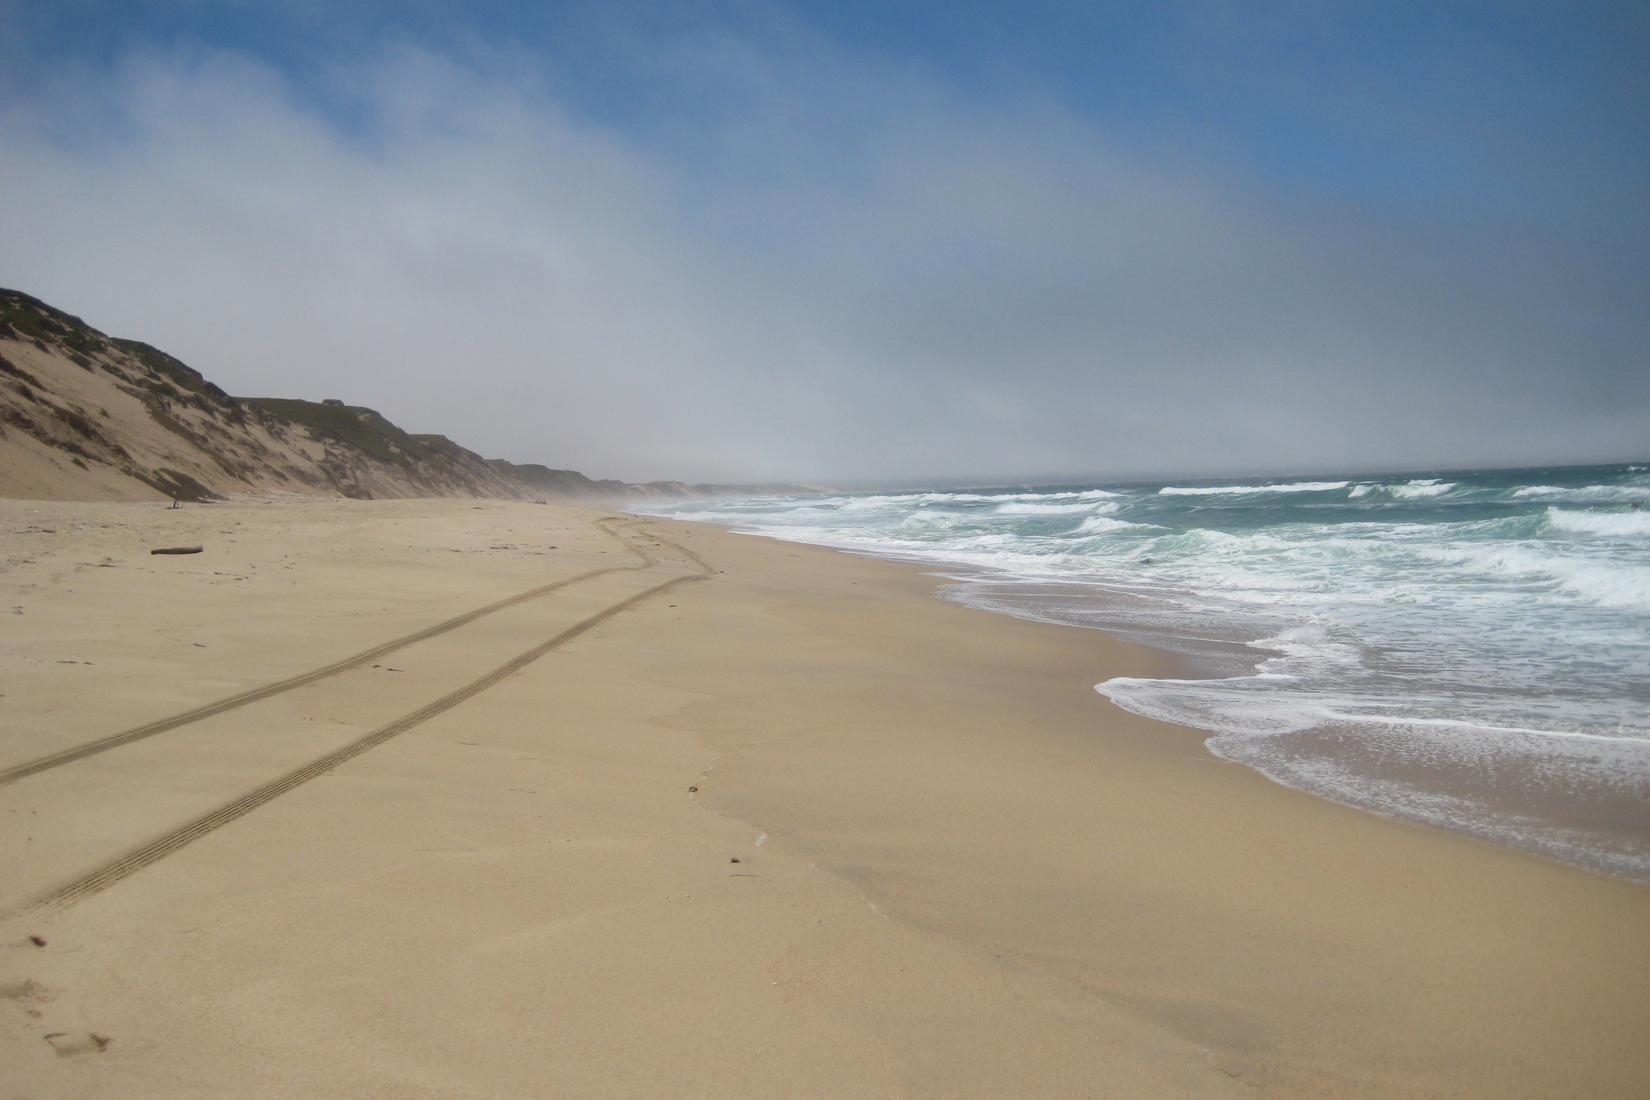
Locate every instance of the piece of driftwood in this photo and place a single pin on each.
(178, 550)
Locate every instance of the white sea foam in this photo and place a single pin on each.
(1261, 722)
(1609, 524)
(894, 501)
(934, 519)
(1634, 744)
(1586, 494)
(1309, 642)
(1414, 490)
(1095, 525)
(1604, 583)
(1373, 631)
(1234, 545)
(1611, 586)
(1084, 494)
(872, 504)
(707, 517)
(1039, 508)
(1219, 490)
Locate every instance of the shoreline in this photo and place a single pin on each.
(1604, 837)
(924, 856)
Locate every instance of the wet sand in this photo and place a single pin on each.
(717, 816)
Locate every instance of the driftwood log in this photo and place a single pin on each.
(178, 550)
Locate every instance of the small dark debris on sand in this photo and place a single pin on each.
(693, 790)
(38, 941)
(177, 550)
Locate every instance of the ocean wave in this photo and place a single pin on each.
(1074, 494)
(1636, 745)
(1310, 643)
(1086, 495)
(707, 517)
(1039, 508)
(1608, 524)
(880, 501)
(1605, 584)
(1371, 625)
(1095, 525)
(1266, 723)
(1585, 494)
(1220, 490)
(934, 519)
(876, 503)
(1242, 545)
(1414, 490)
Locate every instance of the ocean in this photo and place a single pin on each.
(1468, 649)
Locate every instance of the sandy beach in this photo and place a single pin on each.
(485, 799)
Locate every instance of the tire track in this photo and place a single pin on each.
(254, 695)
(101, 878)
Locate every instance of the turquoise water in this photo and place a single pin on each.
(1466, 649)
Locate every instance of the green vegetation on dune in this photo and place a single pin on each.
(31, 319)
(347, 425)
(178, 373)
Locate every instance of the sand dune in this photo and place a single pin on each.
(88, 416)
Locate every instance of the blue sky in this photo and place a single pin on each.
(1321, 94)
(862, 241)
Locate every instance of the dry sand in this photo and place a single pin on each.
(923, 857)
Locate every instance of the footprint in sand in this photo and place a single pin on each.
(29, 995)
(68, 1044)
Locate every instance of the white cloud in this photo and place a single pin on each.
(831, 269)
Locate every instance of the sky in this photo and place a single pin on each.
(865, 243)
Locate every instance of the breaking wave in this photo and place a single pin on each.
(1415, 490)
(1466, 649)
(1625, 525)
(1224, 490)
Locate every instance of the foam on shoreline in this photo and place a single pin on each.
(1375, 612)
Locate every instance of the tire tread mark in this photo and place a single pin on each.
(303, 679)
(112, 872)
